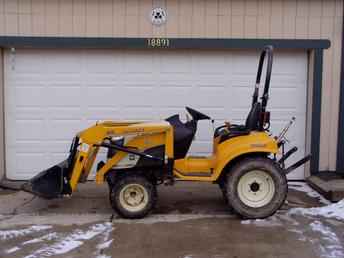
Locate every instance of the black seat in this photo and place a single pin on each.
(251, 124)
(252, 120)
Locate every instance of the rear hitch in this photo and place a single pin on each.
(297, 164)
(286, 155)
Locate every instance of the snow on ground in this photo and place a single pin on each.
(12, 250)
(7, 234)
(106, 243)
(304, 187)
(71, 241)
(330, 246)
(334, 210)
(172, 218)
(61, 243)
(47, 237)
(268, 222)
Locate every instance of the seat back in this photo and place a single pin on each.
(252, 120)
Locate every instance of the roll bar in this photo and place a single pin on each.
(268, 50)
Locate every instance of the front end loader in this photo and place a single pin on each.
(143, 155)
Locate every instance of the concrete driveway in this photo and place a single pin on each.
(190, 221)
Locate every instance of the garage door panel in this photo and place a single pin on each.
(64, 62)
(60, 113)
(143, 113)
(52, 94)
(26, 96)
(210, 62)
(63, 96)
(29, 162)
(291, 98)
(100, 96)
(102, 113)
(63, 129)
(138, 63)
(172, 63)
(102, 62)
(28, 113)
(28, 130)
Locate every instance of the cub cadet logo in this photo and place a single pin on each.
(110, 132)
(136, 130)
(258, 145)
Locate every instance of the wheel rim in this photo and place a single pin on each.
(133, 197)
(256, 188)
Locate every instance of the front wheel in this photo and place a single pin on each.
(256, 188)
(133, 196)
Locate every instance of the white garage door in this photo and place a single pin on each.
(52, 94)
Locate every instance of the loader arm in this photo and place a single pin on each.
(62, 179)
(144, 135)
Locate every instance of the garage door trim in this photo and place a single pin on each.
(195, 43)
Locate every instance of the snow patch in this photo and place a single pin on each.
(12, 250)
(46, 237)
(269, 222)
(71, 241)
(333, 247)
(304, 187)
(171, 218)
(103, 256)
(335, 210)
(8, 234)
(105, 244)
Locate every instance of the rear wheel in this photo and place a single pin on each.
(223, 188)
(133, 196)
(256, 188)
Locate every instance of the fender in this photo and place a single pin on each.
(255, 142)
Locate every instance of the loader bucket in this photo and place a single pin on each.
(50, 183)
(54, 182)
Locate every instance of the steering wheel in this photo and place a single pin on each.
(196, 115)
(226, 127)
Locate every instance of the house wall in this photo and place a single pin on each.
(292, 19)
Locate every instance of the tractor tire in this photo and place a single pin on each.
(256, 188)
(133, 196)
(223, 189)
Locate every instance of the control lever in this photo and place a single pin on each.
(285, 130)
(228, 124)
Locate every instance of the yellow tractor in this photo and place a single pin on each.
(143, 155)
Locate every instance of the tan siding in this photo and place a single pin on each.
(79, 18)
(2, 17)
(38, 17)
(24, 18)
(300, 19)
(289, 19)
(66, 17)
(276, 27)
(185, 18)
